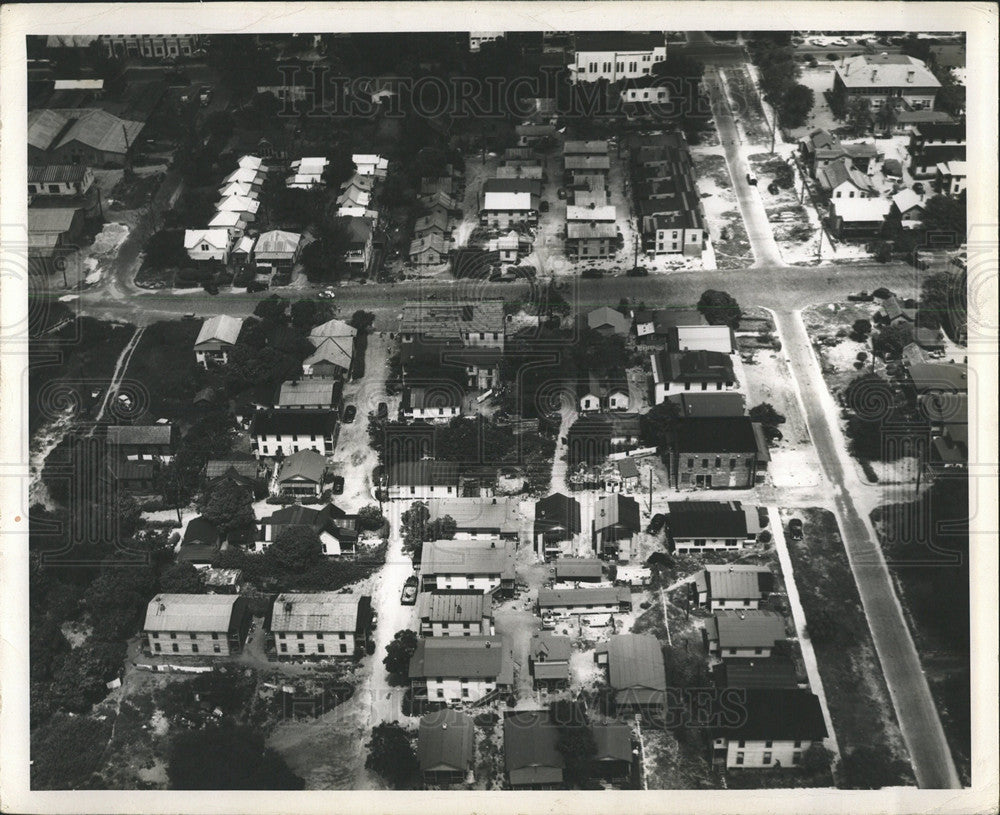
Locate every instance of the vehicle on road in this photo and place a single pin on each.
(656, 524)
(338, 485)
(382, 411)
(349, 413)
(591, 274)
(861, 297)
(326, 295)
(409, 595)
(751, 179)
(256, 286)
(637, 271)
(795, 529)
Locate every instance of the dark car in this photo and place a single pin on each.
(656, 524)
(795, 529)
(255, 287)
(409, 595)
(543, 207)
(211, 288)
(751, 179)
(349, 413)
(637, 271)
(382, 411)
(338, 485)
(591, 273)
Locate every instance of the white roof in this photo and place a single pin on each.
(190, 612)
(357, 211)
(717, 338)
(952, 168)
(216, 238)
(244, 175)
(906, 199)
(861, 209)
(79, 84)
(507, 201)
(278, 241)
(332, 328)
(240, 188)
(319, 612)
(244, 244)
(304, 181)
(250, 163)
(312, 165)
(606, 213)
(885, 71)
(228, 220)
(238, 203)
(220, 328)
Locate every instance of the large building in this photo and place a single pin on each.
(283, 431)
(461, 669)
(717, 453)
(732, 586)
(83, 136)
(636, 672)
(455, 614)
(507, 201)
(878, 77)
(615, 55)
(478, 323)
(486, 566)
(325, 624)
(698, 526)
(196, 624)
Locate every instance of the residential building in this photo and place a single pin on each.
(583, 167)
(471, 323)
(146, 442)
(603, 393)
(950, 449)
(507, 201)
(216, 339)
(881, 77)
(635, 672)
(774, 728)
(277, 251)
(698, 526)
(614, 758)
(240, 468)
(616, 520)
(593, 147)
(196, 624)
(941, 409)
(652, 327)
(951, 179)
(461, 669)
(200, 544)
(557, 519)
(531, 757)
(509, 247)
(207, 244)
(54, 234)
(614, 56)
(684, 372)
(520, 169)
(283, 431)
(485, 566)
(478, 518)
(313, 393)
(747, 674)
(739, 634)
(931, 378)
(233, 224)
(420, 480)
(250, 178)
(579, 570)
(302, 474)
(63, 180)
(91, 137)
(607, 321)
(858, 219)
(430, 250)
(337, 531)
(717, 453)
(149, 45)
(606, 214)
(719, 339)
(590, 240)
(934, 144)
(245, 206)
(439, 404)
(434, 223)
(908, 207)
(370, 164)
(324, 624)
(361, 243)
(732, 586)
(600, 600)
(455, 614)
(446, 747)
(532, 133)
(821, 148)
(332, 358)
(548, 660)
(840, 180)
(709, 404)
(222, 581)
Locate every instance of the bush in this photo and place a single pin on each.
(862, 356)
(832, 57)
(881, 293)
(764, 537)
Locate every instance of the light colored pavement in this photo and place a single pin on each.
(911, 696)
(799, 616)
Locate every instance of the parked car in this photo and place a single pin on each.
(409, 595)
(637, 271)
(751, 179)
(795, 529)
(349, 413)
(861, 297)
(326, 295)
(338, 485)
(656, 524)
(256, 286)
(543, 207)
(590, 274)
(382, 411)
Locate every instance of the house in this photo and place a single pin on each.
(245, 206)
(461, 669)
(682, 232)
(592, 437)
(548, 660)
(720, 339)
(607, 321)
(429, 185)
(894, 312)
(774, 728)
(222, 581)
(477, 518)
(531, 757)
(821, 148)
(446, 747)
(420, 480)
(654, 326)
(531, 134)
(698, 526)
(196, 624)
(931, 377)
(429, 250)
(592, 147)
(200, 543)
(147, 442)
(908, 206)
(747, 674)
(638, 96)
(361, 243)
(246, 472)
(307, 173)
(579, 570)
(581, 168)
(234, 224)
(521, 170)
(331, 328)
(907, 120)
(336, 529)
(431, 404)
(950, 449)
(240, 188)
(628, 474)
(615, 55)
(952, 178)
(934, 144)
(606, 214)
(638, 577)
(207, 244)
(138, 477)
(635, 672)
(739, 634)
(877, 78)
(486, 566)
(249, 178)
(277, 251)
(607, 393)
(859, 218)
(455, 614)
(467, 322)
(370, 164)
(709, 404)
(930, 339)
(302, 474)
(331, 359)
(422, 362)
(216, 339)
(435, 223)
(283, 431)
(557, 519)
(841, 180)
(80, 136)
(314, 393)
(600, 600)
(616, 520)
(53, 234)
(507, 201)
(614, 756)
(324, 624)
(242, 252)
(940, 409)
(731, 586)
(63, 180)
(704, 371)
(717, 453)
(508, 246)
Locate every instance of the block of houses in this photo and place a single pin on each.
(277, 250)
(216, 339)
(455, 614)
(698, 526)
(934, 144)
(63, 180)
(951, 178)
(613, 759)
(687, 371)
(747, 674)
(774, 729)
(615, 56)
(607, 321)
(435, 223)
(652, 327)
(636, 673)
(207, 244)
(446, 747)
(429, 250)
(717, 453)
(738, 634)
(478, 323)
(433, 404)
(706, 405)
(531, 757)
(720, 339)
(504, 202)
(478, 518)
(598, 600)
(616, 520)
(337, 531)
(859, 218)
(302, 474)
(420, 480)
(141, 442)
(481, 364)
(732, 586)
(557, 519)
(596, 393)
(579, 570)
(485, 566)
(316, 393)
(461, 669)
(196, 624)
(200, 543)
(878, 77)
(840, 180)
(548, 660)
(322, 624)
(284, 431)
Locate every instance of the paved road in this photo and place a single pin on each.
(911, 696)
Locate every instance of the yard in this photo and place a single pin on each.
(725, 224)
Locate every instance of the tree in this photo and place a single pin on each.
(303, 313)
(66, 751)
(219, 125)
(116, 599)
(47, 645)
(296, 550)
(890, 341)
(823, 626)
(656, 426)
(769, 419)
(872, 403)
(575, 741)
(323, 259)
(719, 308)
(859, 115)
(871, 768)
(227, 758)
(945, 217)
(398, 653)
(361, 320)
(272, 309)
(414, 524)
(598, 353)
(861, 329)
(80, 680)
(182, 578)
(795, 105)
(887, 115)
(165, 250)
(370, 518)
(443, 528)
(945, 295)
(340, 168)
(230, 508)
(390, 754)
(817, 759)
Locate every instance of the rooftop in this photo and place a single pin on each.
(732, 582)
(635, 661)
(770, 672)
(499, 514)
(158, 434)
(293, 421)
(190, 612)
(473, 657)
(716, 435)
(530, 752)
(467, 557)
(686, 521)
(320, 612)
(305, 465)
(221, 328)
(459, 606)
(776, 714)
(308, 391)
(885, 71)
(445, 741)
(746, 629)
(577, 568)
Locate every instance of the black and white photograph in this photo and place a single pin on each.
(440, 415)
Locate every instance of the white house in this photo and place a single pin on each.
(750, 634)
(321, 624)
(245, 205)
(951, 178)
(460, 669)
(878, 77)
(207, 244)
(607, 600)
(196, 624)
(307, 172)
(508, 201)
(698, 371)
(732, 586)
(455, 614)
(698, 526)
(289, 430)
(485, 566)
(436, 404)
(370, 164)
(615, 55)
(59, 179)
(217, 337)
(240, 188)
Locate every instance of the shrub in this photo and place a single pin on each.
(881, 293)
(862, 356)
(764, 537)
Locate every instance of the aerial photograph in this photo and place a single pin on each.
(498, 410)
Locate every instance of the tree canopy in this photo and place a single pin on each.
(390, 754)
(227, 758)
(398, 652)
(720, 308)
(296, 550)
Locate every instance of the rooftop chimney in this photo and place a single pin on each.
(909, 76)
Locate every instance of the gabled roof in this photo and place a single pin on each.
(746, 629)
(598, 596)
(140, 434)
(776, 714)
(50, 220)
(467, 557)
(594, 147)
(57, 173)
(702, 405)
(585, 163)
(430, 242)
(288, 421)
(716, 435)
(582, 230)
(613, 741)
(861, 210)
(200, 530)
(215, 238)
(617, 510)
(238, 203)
(332, 328)
(312, 391)
(498, 514)
(579, 568)
(319, 612)
(422, 473)
(735, 582)
(550, 647)
(229, 220)
(840, 171)
(557, 511)
(530, 753)
(635, 661)
(769, 672)
(92, 127)
(445, 741)
(907, 199)
(605, 214)
(665, 319)
(237, 188)
(244, 467)
(305, 465)
(190, 612)
(930, 376)
(277, 242)
(687, 520)
(608, 316)
(220, 328)
(337, 351)
(472, 657)
(944, 407)
(454, 606)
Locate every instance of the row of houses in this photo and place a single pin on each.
(591, 228)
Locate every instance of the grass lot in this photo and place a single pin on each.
(732, 248)
(134, 191)
(842, 641)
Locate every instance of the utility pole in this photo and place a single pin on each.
(650, 472)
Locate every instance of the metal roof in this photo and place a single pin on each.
(467, 557)
(304, 465)
(140, 434)
(445, 741)
(455, 607)
(746, 629)
(635, 661)
(277, 243)
(601, 596)
(471, 657)
(576, 568)
(309, 391)
(190, 612)
(736, 582)
(320, 612)
(336, 350)
(530, 751)
(220, 328)
(500, 514)
(613, 740)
